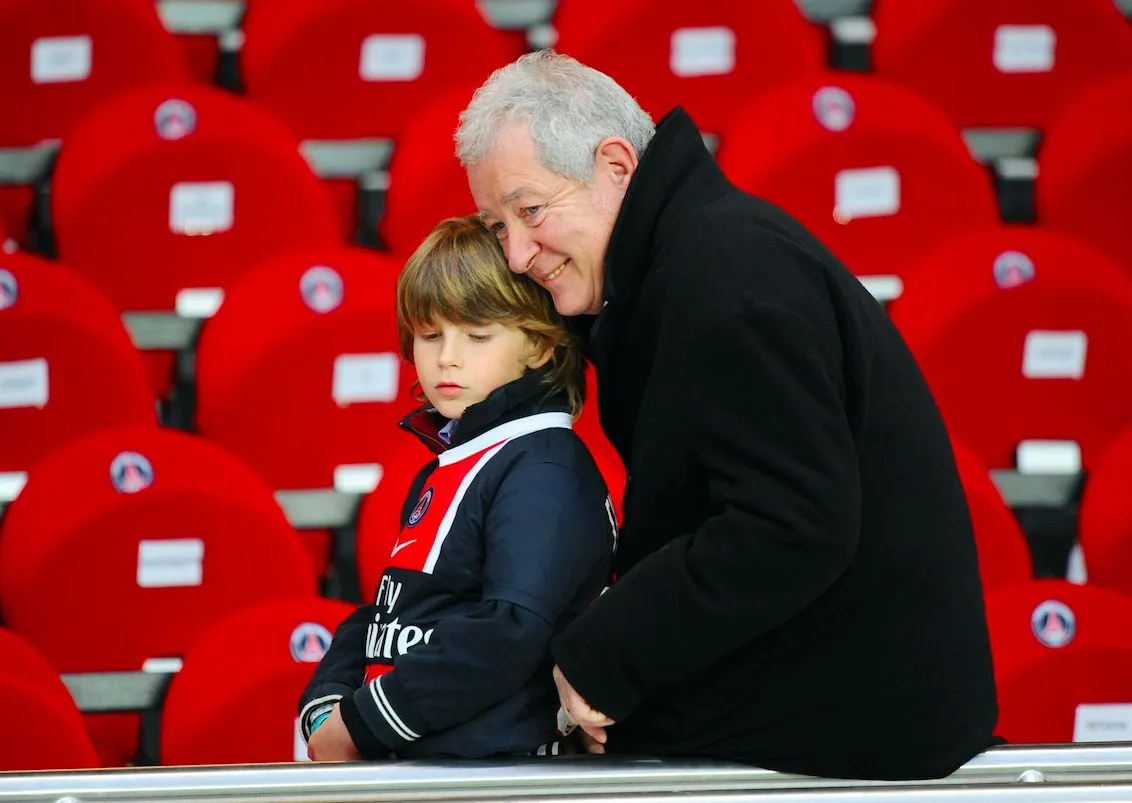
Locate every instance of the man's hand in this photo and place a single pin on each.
(593, 723)
(332, 742)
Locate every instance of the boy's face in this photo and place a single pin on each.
(460, 364)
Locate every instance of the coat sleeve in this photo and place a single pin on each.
(341, 670)
(548, 540)
(784, 502)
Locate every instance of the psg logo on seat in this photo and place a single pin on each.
(309, 642)
(130, 473)
(1013, 269)
(1053, 624)
(321, 289)
(9, 289)
(175, 119)
(834, 108)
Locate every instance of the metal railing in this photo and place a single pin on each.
(1011, 775)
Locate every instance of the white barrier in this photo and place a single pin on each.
(1057, 774)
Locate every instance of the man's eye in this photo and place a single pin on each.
(531, 211)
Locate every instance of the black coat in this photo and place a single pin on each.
(798, 585)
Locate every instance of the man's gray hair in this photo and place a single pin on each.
(569, 107)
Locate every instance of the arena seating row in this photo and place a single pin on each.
(154, 581)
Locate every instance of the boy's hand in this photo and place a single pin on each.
(332, 742)
(581, 713)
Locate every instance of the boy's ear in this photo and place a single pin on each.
(542, 349)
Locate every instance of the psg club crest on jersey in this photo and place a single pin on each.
(130, 473)
(175, 119)
(421, 508)
(834, 108)
(9, 289)
(321, 289)
(309, 642)
(1053, 623)
(1012, 269)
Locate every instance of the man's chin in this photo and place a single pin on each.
(569, 306)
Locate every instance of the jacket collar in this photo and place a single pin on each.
(528, 395)
(675, 161)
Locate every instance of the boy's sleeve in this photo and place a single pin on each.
(341, 670)
(548, 542)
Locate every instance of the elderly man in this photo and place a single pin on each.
(797, 578)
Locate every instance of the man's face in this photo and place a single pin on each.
(552, 228)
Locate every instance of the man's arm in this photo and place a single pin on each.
(784, 495)
(548, 536)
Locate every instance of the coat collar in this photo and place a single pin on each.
(676, 159)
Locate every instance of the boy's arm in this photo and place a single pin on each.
(340, 671)
(547, 538)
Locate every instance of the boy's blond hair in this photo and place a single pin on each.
(460, 274)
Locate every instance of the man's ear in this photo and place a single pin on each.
(616, 158)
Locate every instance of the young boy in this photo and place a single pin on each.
(506, 536)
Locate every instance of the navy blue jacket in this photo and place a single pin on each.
(506, 537)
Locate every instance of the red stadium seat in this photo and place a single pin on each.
(1086, 167)
(299, 371)
(60, 60)
(426, 181)
(876, 173)
(253, 664)
(1022, 335)
(1105, 532)
(996, 63)
(19, 659)
(1004, 556)
(351, 69)
(57, 739)
(707, 57)
(181, 186)
(67, 366)
(1058, 647)
(51, 734)
(125, 544)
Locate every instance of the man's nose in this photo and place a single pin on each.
(521, 249)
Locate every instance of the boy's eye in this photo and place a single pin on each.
(428, 335)
(479, 337)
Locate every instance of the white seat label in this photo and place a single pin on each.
(201, 208)
(365, 378)
(1024, 48)
(174, 563)
(24, 384)
(1111, 722)
(61, 59)
(868, 192)
(392, 57)
(1054, 355)
(702, 51)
